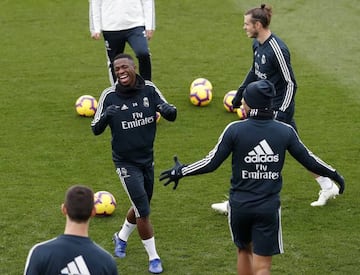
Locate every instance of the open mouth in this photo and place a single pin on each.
(124, 78)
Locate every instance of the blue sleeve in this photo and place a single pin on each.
(99, 123)
(282, 62)
(309, 160)
(250, 77)
(214, 158)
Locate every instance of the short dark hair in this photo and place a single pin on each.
(124, 55)
(79, 203)
(262, 14)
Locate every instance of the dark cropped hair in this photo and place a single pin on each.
(79, 203)
(124, 55)
(262, 14)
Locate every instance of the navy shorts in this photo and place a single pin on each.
(138, 183)
(262, 230)
(288, 116)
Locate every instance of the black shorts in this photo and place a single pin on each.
(138, 183)
(288, 116)
(262, 230)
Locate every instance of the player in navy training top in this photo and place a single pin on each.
(73, 252)
(129, 108)
(258, 146)
(271, 61)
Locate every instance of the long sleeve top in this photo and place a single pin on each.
(133, 127)
(117, 15)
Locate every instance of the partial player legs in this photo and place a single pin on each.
(138, 42)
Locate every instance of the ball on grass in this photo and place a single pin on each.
(105, 203)
(86, 106)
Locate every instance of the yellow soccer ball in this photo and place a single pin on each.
(201, 82)
(200, 95)
(86, 105)
(105, 203)
(158, 116)
(241, 112)
(227, 101)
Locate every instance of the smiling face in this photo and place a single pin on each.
(125, 71)
(251, 27)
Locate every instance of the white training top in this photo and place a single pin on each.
(117, 15)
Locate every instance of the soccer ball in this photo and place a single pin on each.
(201, 82)
(227, 101)
(158, 116)
(105, 203)
(200, 95)
(86, 105)
(241, 112)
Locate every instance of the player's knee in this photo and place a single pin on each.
(142, 206)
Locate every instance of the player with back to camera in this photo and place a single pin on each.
(73, 252)
(121, 22)
(271, 61)
(257, 147)
(129, 108)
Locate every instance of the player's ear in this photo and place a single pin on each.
(93, 212)
(63, 209)
(244, 104)
(258, 25)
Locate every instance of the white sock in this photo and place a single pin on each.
(324, 182)
(126, 230)
(150, 248)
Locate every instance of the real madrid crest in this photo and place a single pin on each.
(123, 171)
(146, 102)
(263, 59)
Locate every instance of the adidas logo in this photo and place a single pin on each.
(124, 107)
(77, 266)
(261, 153)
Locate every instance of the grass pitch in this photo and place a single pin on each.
(48, 60)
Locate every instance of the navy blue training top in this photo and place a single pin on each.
(69, 254)
(133, 127)
(271, 61)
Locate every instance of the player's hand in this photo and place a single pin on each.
(111, 110)
(340, 181)
(168, 111)
(174, 174)
(95, 35)
(149, 34)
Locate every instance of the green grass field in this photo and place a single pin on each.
(48, 60)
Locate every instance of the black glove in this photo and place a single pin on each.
(111, 110)
(340, 181)
(173, 174)
(168, 111)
